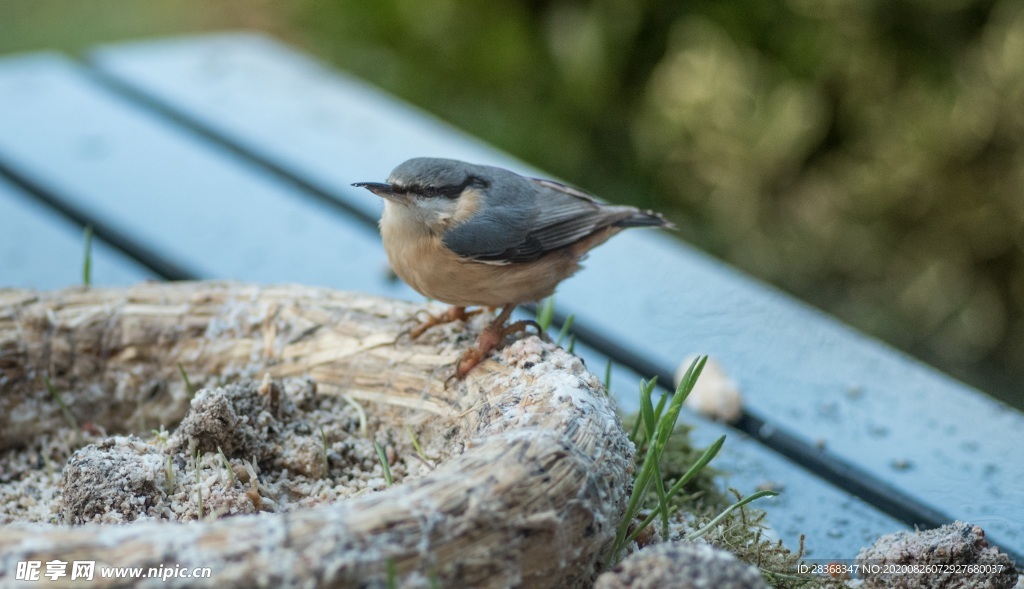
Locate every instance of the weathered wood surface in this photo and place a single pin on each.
(533, 499)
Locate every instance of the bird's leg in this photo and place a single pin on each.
(451, 314)
(489, 339)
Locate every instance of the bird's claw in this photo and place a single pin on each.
(521, 326)
(470, 358)
(450, 315)
(489, 339)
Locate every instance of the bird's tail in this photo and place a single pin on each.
(644, 219)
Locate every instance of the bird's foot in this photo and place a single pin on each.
(522, 326)
(450, 315)
(490, 338)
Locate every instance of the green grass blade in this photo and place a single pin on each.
(647, 410)
(87, 263)
(657, 439)
(69, 417)
(648, 470)
(545, 313)
(384, 463)
(709, 454)
(729, 510)
(227, 465)
(697, 466)
(649, 417)
(416, 444)
(392, 574)
(643, 479)
(667, 424)
(565, 329)
(660, 408)
(188, 385)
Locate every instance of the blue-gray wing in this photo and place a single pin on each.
(525, 220)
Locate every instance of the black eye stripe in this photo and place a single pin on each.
(450, 192)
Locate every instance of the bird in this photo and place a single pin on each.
(473, 235)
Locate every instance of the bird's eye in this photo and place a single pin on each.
(452, 191)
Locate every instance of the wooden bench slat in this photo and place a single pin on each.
(41, 250)
(656, 300)
(326, 127)
(170, 191)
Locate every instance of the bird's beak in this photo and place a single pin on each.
(382, 190)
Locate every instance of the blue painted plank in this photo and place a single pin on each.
(326, 127)
(160, 186)
(835, 523)
(932, 438)
(42, 250)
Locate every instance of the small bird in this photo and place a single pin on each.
(474, 235)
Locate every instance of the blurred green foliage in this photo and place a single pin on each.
(866, 155)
